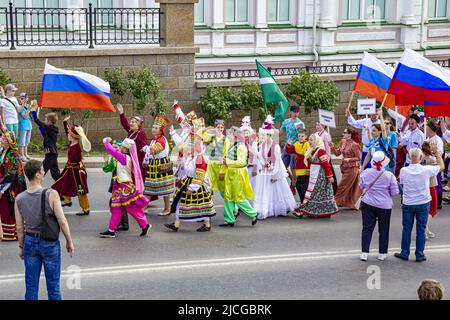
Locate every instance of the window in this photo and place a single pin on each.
(374, 9)
(363, 9)
(437, 8)
(107, 16)
(200, 11)
(236, 10)
(278, 10)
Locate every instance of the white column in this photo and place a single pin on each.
(261, 14)
(218, 15)
(407, 12)
(218, 22)
(77, 21)
(328, 13)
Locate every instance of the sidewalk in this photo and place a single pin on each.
(97, 162)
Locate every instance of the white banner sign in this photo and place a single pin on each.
(367, 106)
(327, 118)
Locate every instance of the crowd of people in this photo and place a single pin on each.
(250, 169)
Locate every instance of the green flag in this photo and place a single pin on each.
(271, 93)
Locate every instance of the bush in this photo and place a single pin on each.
(4, 78)
(143, 86)
(312, 92)
(218, 102)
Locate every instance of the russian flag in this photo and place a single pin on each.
(433, 109)
(74, 89)
(418, 80)
(373, 80)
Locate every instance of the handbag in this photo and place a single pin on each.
(358, 202)
(164, 168)
(389, 153)
(50, 226)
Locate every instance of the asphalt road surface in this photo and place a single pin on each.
(279, 258)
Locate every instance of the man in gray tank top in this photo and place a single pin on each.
(32, 249)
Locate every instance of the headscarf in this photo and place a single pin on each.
(316, 145)
(139, 120)
(11, 139)
(135, 165)
(78, 133)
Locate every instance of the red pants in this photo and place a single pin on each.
(434, 201)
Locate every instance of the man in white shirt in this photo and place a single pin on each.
(365, 125)
(413, 138)
(415, 180)
(9, 106)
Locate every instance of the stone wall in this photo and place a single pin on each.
(175, 67)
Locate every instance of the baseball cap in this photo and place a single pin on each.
(23, 94)
(10, 87)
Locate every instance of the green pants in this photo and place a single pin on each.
(230, 208)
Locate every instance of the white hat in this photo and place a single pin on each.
(246, 124)
(379, 160)
(267, 126)
(127, 143)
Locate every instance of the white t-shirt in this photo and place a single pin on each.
(439, 143)
(11, 116)
(415, 179)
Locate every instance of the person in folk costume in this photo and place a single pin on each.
(237, 184)
(214, 150)
(159, 180)
(135, 131)
(251, 143)
(128, 188)
(192, 200)
(322, 131)
(12, 183)
(273, 196)
(189, 124)
(348, 191)
(319, 199)
(73, 179)
(110, 165)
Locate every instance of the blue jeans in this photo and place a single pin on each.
(38, 252)
(288, 159)
(420, 212)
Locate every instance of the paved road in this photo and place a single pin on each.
(280, 258)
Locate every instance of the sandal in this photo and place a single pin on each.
(163, 214)
(171, 226)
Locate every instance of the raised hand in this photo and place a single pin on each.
(119, 108)
(66, 119)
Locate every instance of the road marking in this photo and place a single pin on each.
(107, 211)
(207, 263)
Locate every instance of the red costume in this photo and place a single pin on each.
(73, 180)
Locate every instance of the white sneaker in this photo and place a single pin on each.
(364, 256)
(382, 256)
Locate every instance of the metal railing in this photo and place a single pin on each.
(90, 26)
(253, 73)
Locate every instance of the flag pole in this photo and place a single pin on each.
(396, 118)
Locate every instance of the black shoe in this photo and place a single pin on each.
(122, 228)
(237, 214)
(421, 259)
(439, 207)
(171, 226)
(398, 255)
(254, 221)
(204, 228)
(226, 225)
(298, 215)
(146, 230)
(107, 234)
(83, 213)
(66, 204)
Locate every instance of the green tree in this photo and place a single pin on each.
(4, 78)
(312, 92)
(218, 102)
(143, 85)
